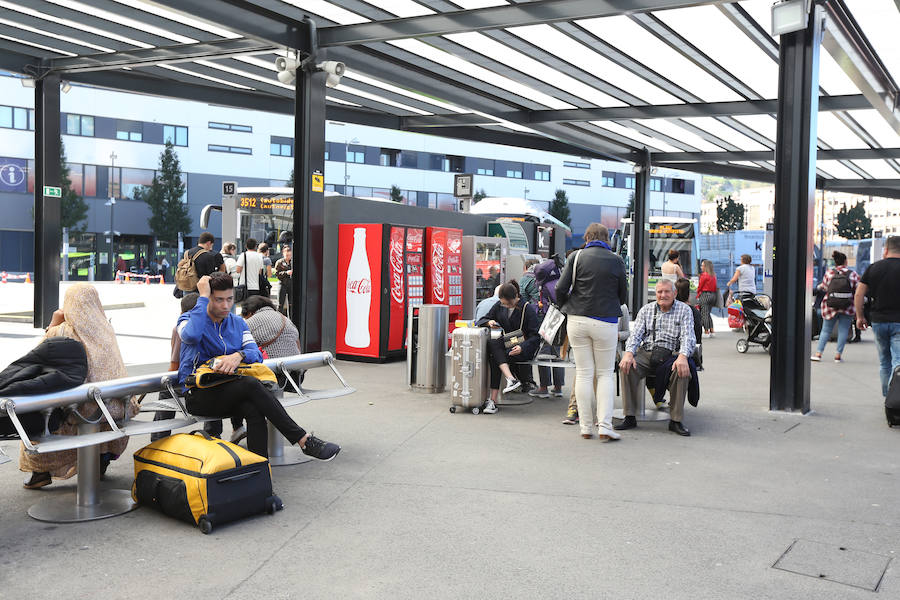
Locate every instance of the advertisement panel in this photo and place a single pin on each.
(359, 274)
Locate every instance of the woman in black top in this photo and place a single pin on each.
(510, 313)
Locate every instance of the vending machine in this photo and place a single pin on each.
(483, 269)
(443, 269)
(380, 274)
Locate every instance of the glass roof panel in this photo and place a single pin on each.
(402, 8)
(121, 20)
(329, 11)
(72, 24)
(836, 134)
(761, 11)
(34, 45)
(744, 163)
(872, 121)
(55, 36)
(246, 74)
(454, 62)
(679, 133)
(724, 132)
(179, 18)
(637, 136)
(341, 101)
(561, 45)
(507, 124)
(349, 90)
(879, 169)
(206, 77)
(472, 4)
(402, 92)
(720, 39)
(633, 40)
(524, 64)
(764, 124)
(880, 21)
(837, 170)
(832, 78)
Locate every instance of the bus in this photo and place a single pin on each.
(666, 233)
(263, 213)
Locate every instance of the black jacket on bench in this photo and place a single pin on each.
(56, 364)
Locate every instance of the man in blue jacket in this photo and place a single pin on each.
(210, 330)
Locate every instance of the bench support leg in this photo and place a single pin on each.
(90, 502)
(281, 453)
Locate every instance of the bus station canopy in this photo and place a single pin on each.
(694, 82)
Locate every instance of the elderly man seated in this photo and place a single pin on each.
(663, 334)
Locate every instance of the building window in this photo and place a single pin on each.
(80, 125)
(230, 149)
(12, 117)
(542, 175)
(131, 131)
(629, 182)
(678, 186)
(230, 127)
(388, 157)
(655, 184)
(609, 180)
(576, 165)
(484, 171)
(276, 149)
(176, 134)
(354, 156)
(580, 182)
(514, 173)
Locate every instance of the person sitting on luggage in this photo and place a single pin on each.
(511, 313)
(211, 330)
(663, 334)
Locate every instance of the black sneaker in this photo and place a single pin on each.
(320, 448)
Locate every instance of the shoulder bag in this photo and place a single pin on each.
(553, 327)
(240, 290)
(514, 338)
(277, 335)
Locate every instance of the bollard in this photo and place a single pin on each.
(3, 275)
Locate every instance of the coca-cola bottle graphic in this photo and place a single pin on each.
(359, 293)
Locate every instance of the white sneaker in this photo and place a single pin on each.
(512, 384)
(712, 334)
(489, 408)
(608, 435)
(238, 434)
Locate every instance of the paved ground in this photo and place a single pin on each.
(422, 503)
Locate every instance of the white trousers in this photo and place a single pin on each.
(593, 344)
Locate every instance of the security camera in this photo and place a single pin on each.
(283, 63)
(286, 77)
(332, 67)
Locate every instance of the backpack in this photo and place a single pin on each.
(839, 291)
(546, 274)
(186, 276)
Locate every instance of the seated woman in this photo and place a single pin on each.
(683, 294)
(82, 319)
(510, 313)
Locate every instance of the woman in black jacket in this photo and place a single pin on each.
(510, 313)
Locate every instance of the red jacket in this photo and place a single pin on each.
(707, 283)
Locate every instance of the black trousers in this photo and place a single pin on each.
(284, 291)
(248, 398)
(497, 355)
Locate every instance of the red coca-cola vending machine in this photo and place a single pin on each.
(380, 273)
(443, 270)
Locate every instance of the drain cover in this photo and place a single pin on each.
(834, 563)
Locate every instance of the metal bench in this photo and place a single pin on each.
(90, 501)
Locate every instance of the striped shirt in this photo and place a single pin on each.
(674, 329)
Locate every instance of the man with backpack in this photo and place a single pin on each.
(839, 285)
(196, 263)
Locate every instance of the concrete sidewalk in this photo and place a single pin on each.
(424, 503)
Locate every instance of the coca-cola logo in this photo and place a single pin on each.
(359, 286)
(396, 258)
(437, 274)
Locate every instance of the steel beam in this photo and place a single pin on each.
(161, 55)
(845, 41)
(722, 170)
(640, 248)
(47, 210)
(839, 184)
(756, 155)
(795, 168)
(495, 17)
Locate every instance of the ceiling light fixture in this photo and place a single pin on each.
(789, 16)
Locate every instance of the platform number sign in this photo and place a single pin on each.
(462, 185)
(229, 188)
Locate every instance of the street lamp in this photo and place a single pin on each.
(112, 207)
(346, 160)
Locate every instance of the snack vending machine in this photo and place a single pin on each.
(443, 270)
(380, 274)
(484, 268)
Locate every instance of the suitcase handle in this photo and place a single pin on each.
(203, 433)
(238, 477)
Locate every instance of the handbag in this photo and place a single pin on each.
(205, 377)
(656, 355)
(550, 326)
(265, 288)
(514, 338)
(240, 290)
(277, 335)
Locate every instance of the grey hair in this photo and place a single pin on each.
(667, 282)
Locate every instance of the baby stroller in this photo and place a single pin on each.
(757, 323)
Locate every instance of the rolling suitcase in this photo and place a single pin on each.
(469, 373)
(892, 400)
(203, 480)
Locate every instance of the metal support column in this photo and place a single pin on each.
(795, 179)
(47, 226)
(640, 259)
(309, 196)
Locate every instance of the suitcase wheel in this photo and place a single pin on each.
(476, 410)
(205, 524)
(453, 409)
(273, 505)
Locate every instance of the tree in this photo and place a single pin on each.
(478, 196)
(169, 214)
(729, 215)
(559, 207)
(73, 209)
(290, 181)
(396, 194)
(853, 224)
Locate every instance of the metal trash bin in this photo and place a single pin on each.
(426, 347)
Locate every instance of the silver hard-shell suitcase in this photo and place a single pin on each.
(469, 373)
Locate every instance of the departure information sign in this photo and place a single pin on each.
(264, 203)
